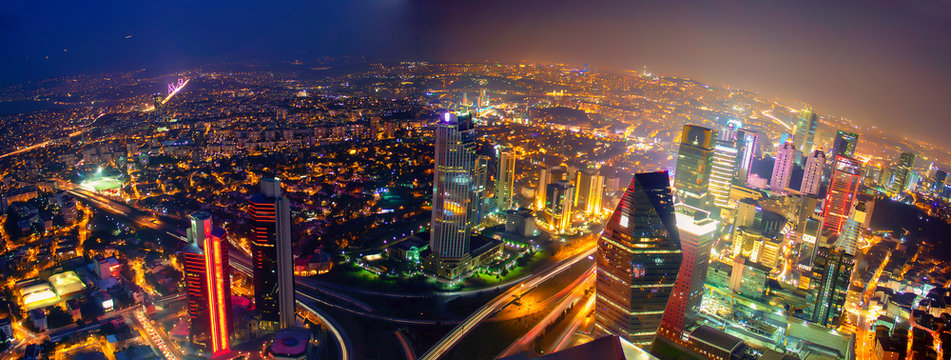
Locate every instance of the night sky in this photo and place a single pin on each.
(877, 62)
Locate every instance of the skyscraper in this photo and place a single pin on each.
(783, 166)
(694, 164)
(805, 134)
(479, 181)
(638, 259)
(721, 174)
(454, 191)
(901, 172)
(697, 234)
(272, 259)
(588, 191)
(546, 176)
(558, 210)
(832, 271)
(747, 149)
(844, 144)
(208, 284)
(812, 176)
(854, 226)
(840, 197)
(505, 178)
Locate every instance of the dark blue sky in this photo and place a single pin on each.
(885, 62)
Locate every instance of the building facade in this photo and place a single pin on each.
(272, 260)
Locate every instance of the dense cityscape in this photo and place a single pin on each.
(424, 210)
(371, 179)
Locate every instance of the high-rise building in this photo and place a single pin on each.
(694, 164)
(812, 174)
(697, 234)
(747, 149)
(560, 197)
(902, 172)
(546, 176)
(505, 178)
(940, 176)
(588, 191)
(840, 197)
(782, 167)
(722, 173)
(805, 134)
(208, 284)
(479, 180)
(855, 224)
(272, 260)
(455, 195)
(844, 144)
(810, 242)
(832, 272)
(637, 260)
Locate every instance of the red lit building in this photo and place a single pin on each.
(208, 285)
(840, 197)
(697, 234)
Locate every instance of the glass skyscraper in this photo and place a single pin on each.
(637, 261)
(272, 261)
(840, 197)
(694, 165)
(208, 283)
(456, 191)
(805, 134)
(505, 178)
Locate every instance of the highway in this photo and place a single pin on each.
(461, 330)
(577, 291)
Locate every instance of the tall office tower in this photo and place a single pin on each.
(854, 226)
(694, 164)
(589, 187)
(454, 195)
(479, 180)
(638, 259)
(272, 259)
(697, 234)
(747, 149)
(805, 133)
(209, 284)
(901, 172)
(844, 144)
(558, 210)
(844, 183)
(782, 167)
(812, 176)
(940, 176)
(721, 174)
(505, 179)
(546, 176)
(810, 239)
(832, 270)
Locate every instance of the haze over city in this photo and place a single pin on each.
(386, 179)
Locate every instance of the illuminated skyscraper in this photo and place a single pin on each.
(546, 176)
(832, 271)
(844, 144)
(747, 148)
(209, 284)
(505, 178)
(840, 197)
(479, 180)
(783, 166)
(638, 259)
(812, 176)
(901, 172)
(697, 234)
(588, 190)
(455, 192)
(721, 174)
(853, 228)
(805, 134)
(694, 164)
(272, 260)
(558, 210)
